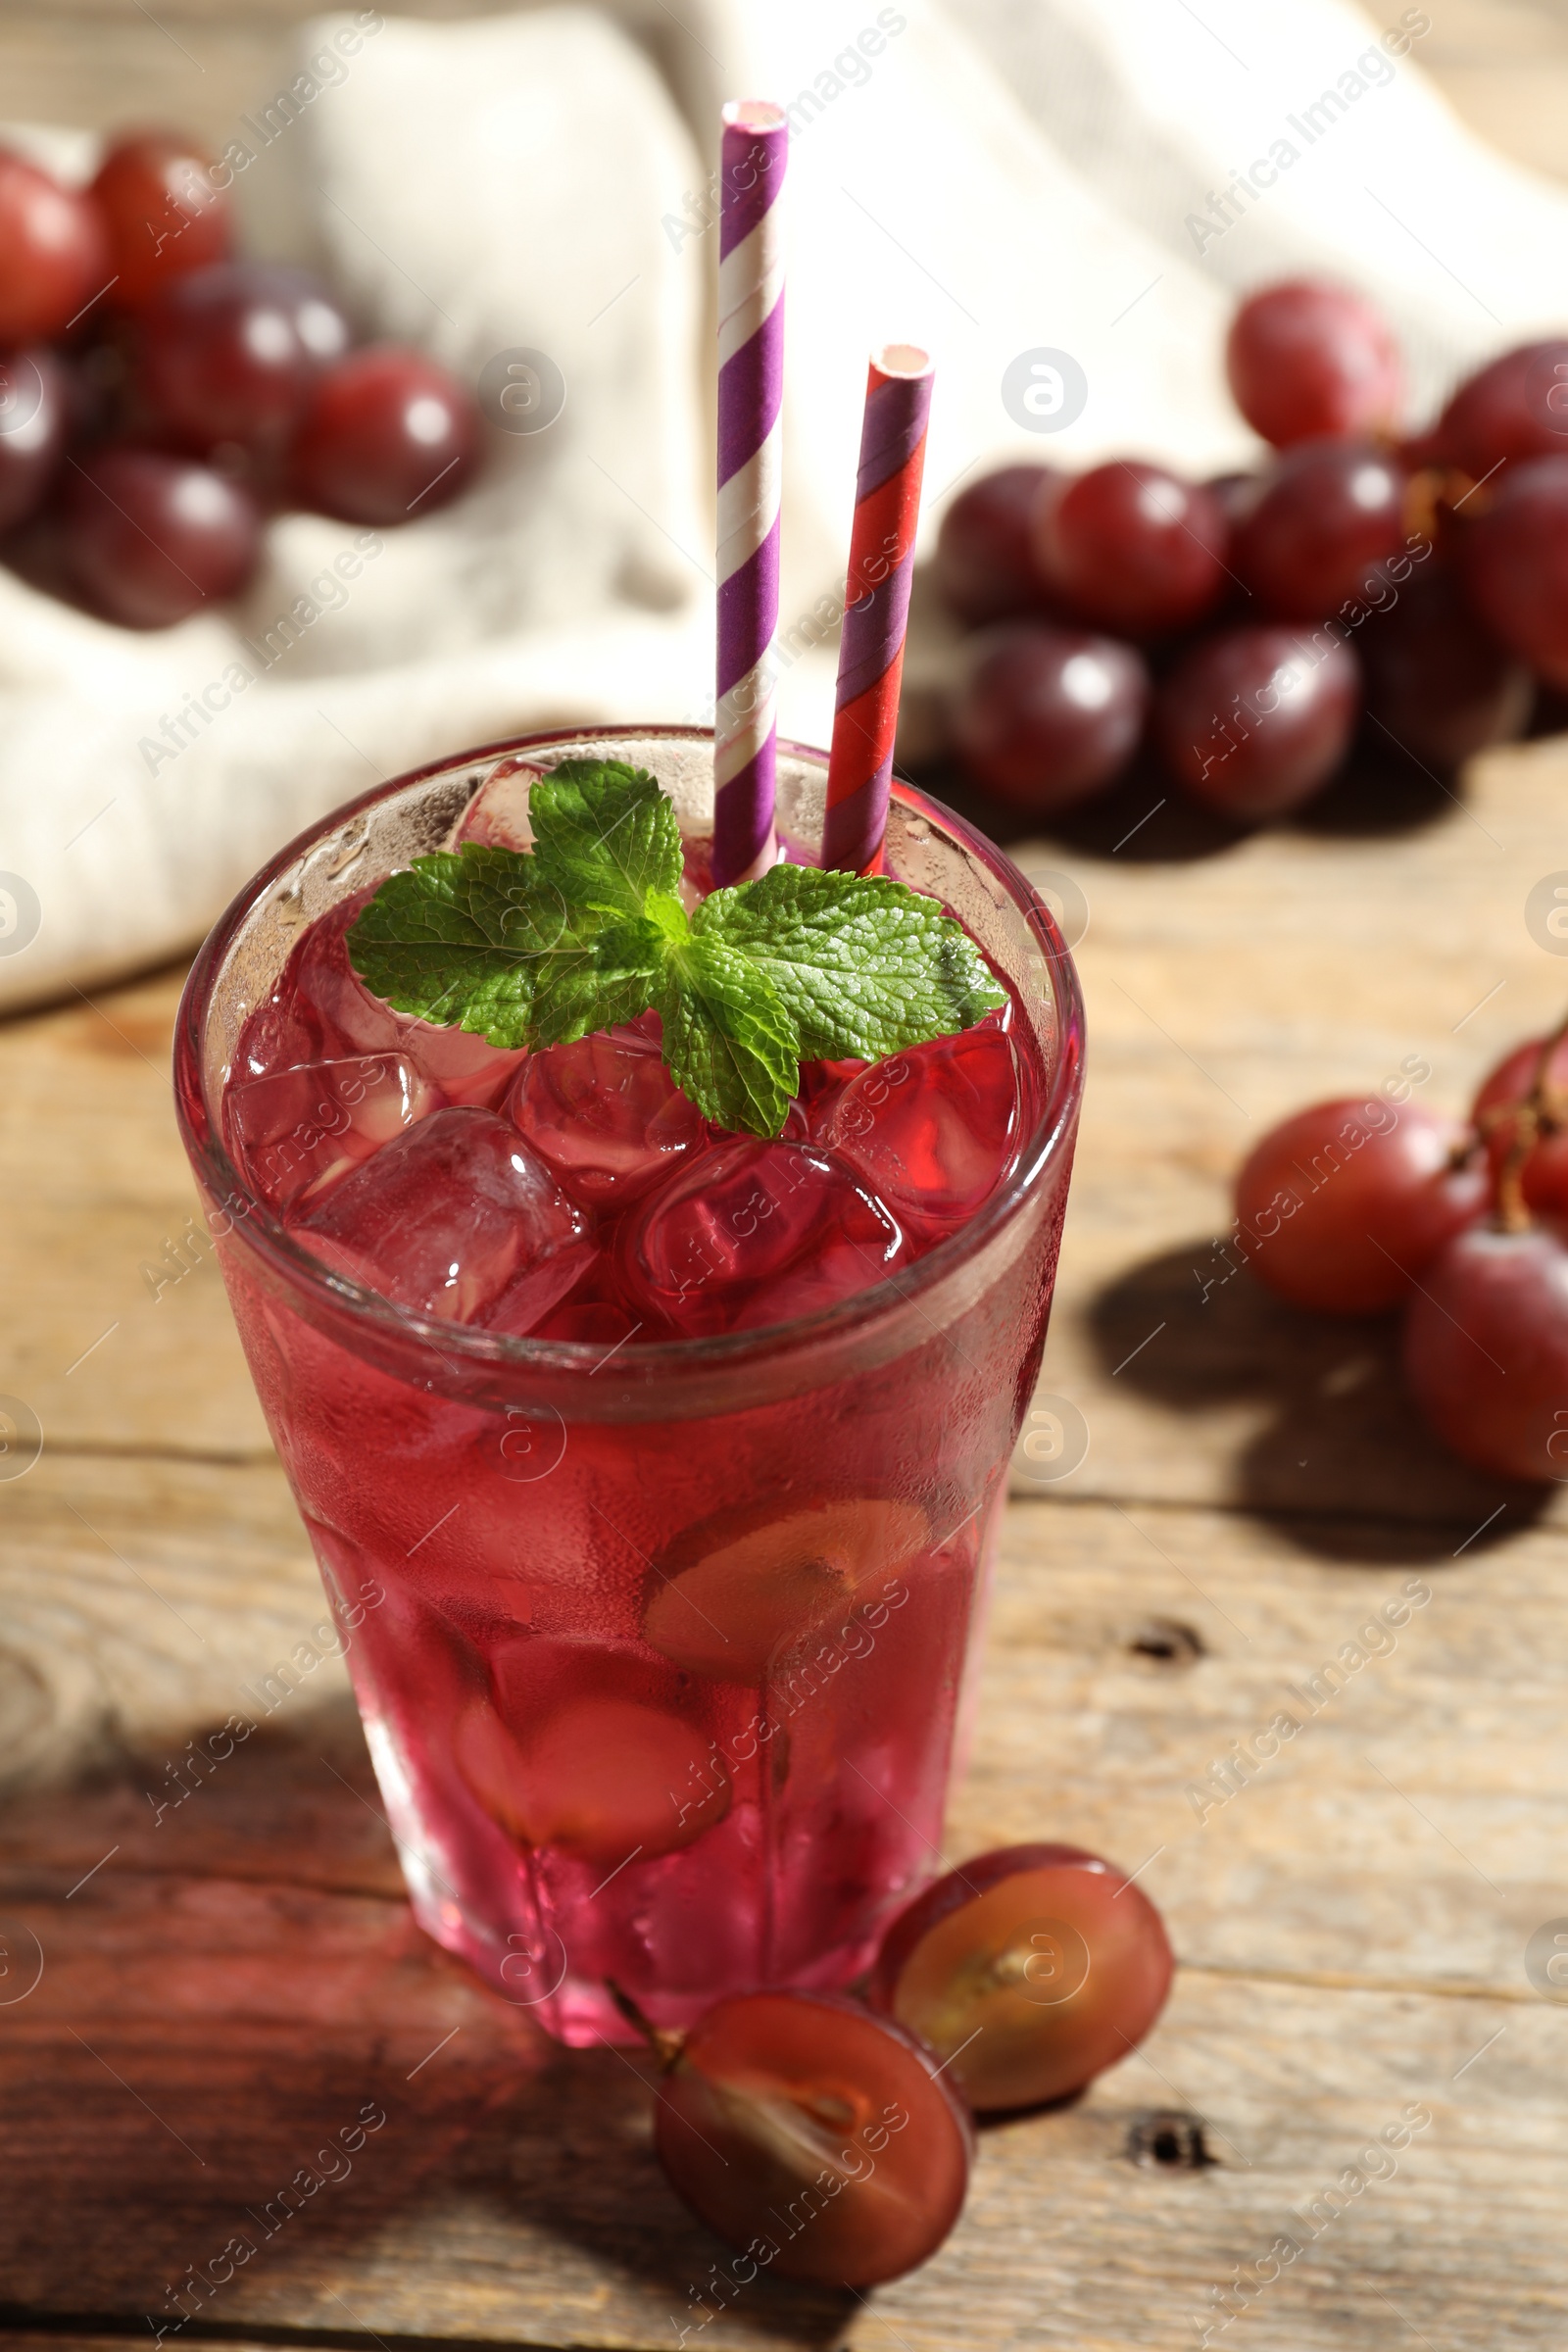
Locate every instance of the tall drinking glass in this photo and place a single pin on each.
(662, 1654)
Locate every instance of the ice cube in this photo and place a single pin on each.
(754, 1233)
(451, 1217)
(932, 1131)
(350, 1019)
(498, 814)
(606, 1114)
(466, 1068)
(297, 1133)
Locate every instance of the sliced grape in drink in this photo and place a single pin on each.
(732, 1594)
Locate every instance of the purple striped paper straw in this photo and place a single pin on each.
(751, 383)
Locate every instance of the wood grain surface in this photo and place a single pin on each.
(204, 2000)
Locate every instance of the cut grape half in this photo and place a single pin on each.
(606, 1778)
(728, 1600)
(815, 2136)
(1028, 1972)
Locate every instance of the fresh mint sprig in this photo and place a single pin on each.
(587, 929)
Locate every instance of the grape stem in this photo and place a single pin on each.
(666, 2047)
(1544, 1112)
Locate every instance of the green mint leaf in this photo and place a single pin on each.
(586, 930)
(598, 976)
(863, 965)
(728, 1040)
(461, 938)
(604, 834)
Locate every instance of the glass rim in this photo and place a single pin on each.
(483, 1351)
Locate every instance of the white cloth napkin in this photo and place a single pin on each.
(990, 177)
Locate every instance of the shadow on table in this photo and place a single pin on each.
(1344, 1464)
(202, 2017)
(1147, 820)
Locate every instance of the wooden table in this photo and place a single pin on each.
(208, 1979)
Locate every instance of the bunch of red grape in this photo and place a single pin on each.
(158, 397)
(1241, 628)
(1357, 1207)
(830, 2139)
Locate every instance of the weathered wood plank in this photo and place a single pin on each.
(182, 2061)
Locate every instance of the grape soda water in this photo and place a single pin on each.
(676, 1452)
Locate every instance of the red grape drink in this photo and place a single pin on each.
(676, 1453)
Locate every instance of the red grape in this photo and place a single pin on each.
(1028, 1972)
(1254, 720)
(230, 352)
(1516, 564)
(1046, 715)
(1442, 686)
(1543, 1172)
(1306, 359)
(35, 413)
(800, 2124)
(149, 538)
(1516, 408)
(1344, 1204)
(163, 214)
(1486, 1350)
(387, 432)
(1131, 547)
(985, 550)
(54, 255)
(1322, 519)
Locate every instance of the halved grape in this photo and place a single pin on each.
(1486, 1350)
(601, 1778)
(729, 1596)
(1307, 358)
(1028, 1971)
(816, 2136)
(1341, 1207)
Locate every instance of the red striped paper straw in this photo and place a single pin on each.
(876, 607)
(751, 384)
